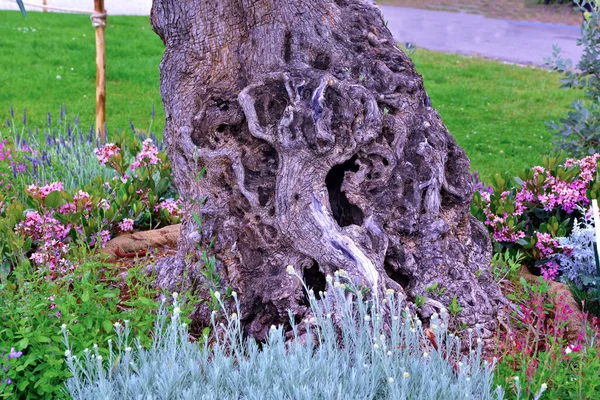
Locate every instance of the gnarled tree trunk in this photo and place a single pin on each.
(322, 152)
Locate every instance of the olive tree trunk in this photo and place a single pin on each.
(322, 152)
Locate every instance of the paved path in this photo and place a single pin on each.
(512, 41)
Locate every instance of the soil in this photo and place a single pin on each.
(521, 10)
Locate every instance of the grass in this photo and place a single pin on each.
(64, 45)
(496, 111)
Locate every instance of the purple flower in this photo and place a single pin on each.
(14, 354)
(12, 111)
(8, 381)
(49, 119)
(24, 116)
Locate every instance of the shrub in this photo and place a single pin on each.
(528, 212)
(579, 134)
(34, 308)
(577, 259)
(534, 354)
(343, 349)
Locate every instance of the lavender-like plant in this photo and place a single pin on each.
(350, 347)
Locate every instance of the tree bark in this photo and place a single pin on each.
(322, 152)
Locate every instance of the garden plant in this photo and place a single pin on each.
(78, 325)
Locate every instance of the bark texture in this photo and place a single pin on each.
(322, 152)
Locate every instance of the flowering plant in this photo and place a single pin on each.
(528, 212)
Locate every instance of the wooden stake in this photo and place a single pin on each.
(99, 22)
(45, 3)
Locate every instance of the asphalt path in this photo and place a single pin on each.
(511, 41)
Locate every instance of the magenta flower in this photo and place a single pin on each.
(126, 225)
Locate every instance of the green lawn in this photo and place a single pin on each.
(496, 111)
(64, 45)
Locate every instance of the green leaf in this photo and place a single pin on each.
(107, 325)
(53, 199)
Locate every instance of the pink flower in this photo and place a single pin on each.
(126, 225)
(147, 156)
(106, 153)
(549, 271)
(173, 207)
(41, 192)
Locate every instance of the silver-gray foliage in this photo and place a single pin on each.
(346, 349)
(578, 265)
(579, 133)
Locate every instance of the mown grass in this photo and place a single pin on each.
(496, 111)
(64, 45)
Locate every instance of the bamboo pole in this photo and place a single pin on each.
(99, 22)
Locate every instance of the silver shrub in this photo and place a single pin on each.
(579, 267)
(347, 351)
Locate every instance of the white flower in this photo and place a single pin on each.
(478, 340)
(469, 330)
(389, 292)
(389, 353)
(405, 374)
(434, 327)
(234, 294)
(328, 315)
(568, 350)
(58, 77)
(63, 327)
(175, 294)
(273, 327)
(99, 358)
(543, 387)
(67, 353)
(234, 316)
(395, 318)
(176, 310)
(184, 325)
(367, 318)
(375, 346)
(425, 354)
(218, 295)
(382, 337)
(329, 278)
(516, 378)
(126, 321)
(290, 269)
(109, 340)
(86, 350)
(391, 380)
(95, 346)
(128, 349)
